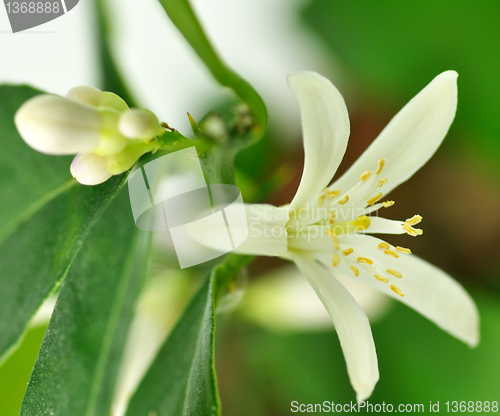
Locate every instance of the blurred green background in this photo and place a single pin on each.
(386, 51)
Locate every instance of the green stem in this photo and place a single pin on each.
(182, 15)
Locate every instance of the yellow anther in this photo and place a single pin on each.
(365, 176)
(364, 260)
(332, 217)
(381, 164)
(335, 260)
(383, 246)
(348, 251)
(403, 250)
(356, 271)
(334, 193)
(320, 200)
(414, 220)
(414, 232)
(382, 182)
(336, 241)
(388, 204)
(396, 290)
(391, 253)
(394, 273)
(382, 279)
(323, 196)
(374, 199)
(344, 200)
(361, 223)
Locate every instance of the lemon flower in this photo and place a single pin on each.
(326, 231)
(106, 136)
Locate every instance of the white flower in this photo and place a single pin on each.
(98, 126)
(325, 231)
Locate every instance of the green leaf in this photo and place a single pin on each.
(76, 370)
(44, 220)
(181, 380)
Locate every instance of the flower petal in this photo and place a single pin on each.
(427, 289)
(350, 322)
(325, 125)
(265, 224)
(412, 136)
(380, 225)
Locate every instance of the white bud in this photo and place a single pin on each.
(90, 169)
(58, 126)
(86, 95)
(139, 124)
(97, 98)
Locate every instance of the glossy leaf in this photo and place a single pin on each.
(44, 218)
(76, 369)
(181, 380)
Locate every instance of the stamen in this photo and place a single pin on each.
(388, 204)
(356, 271)
(381, 164)
(403, 250)
(396, 290)
(394, 273)
(364, 260)
(414, 232)
(374, 199)
(365, 176)
(382, 279)
(334, 193)
(382, 182)
(361, 223)
(344, 200)
(321, 198)
(414, 220)
(332, 217)
(391, 253)
(348, 251)
(335, 260)
(335, 239)
(383, 246)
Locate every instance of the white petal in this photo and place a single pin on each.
(427, 289)
(325, 126)
(58, 126)
(267, 234)
(384, 226)
(412, 136)
(351, 324)
(90, 169)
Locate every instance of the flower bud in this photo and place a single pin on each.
(139, 124)
(97, 98)
(127, 158)
(111, 140)
(90, 169)
(58, 126)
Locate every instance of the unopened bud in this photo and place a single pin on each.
(97, 98)
(58, 126)
(139, 124)
(90, 169)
